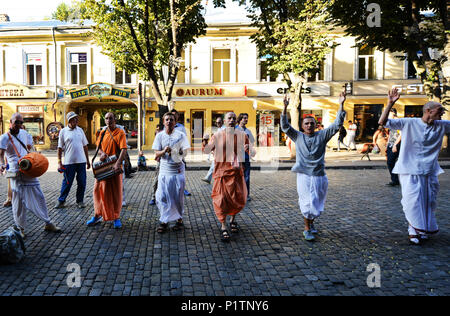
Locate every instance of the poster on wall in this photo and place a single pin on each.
(267, 122)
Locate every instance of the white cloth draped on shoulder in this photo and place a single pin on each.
(419, 194)
(312, 193)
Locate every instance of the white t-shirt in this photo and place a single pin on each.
(171, 164)
(5, 143)
(72, 141)
(352, 129)
(421, 144)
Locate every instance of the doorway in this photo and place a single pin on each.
(197, 127)
(366, 117)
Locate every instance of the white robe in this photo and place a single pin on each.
(170, 196)
(312, 193)
(419, 194)
(27, 195)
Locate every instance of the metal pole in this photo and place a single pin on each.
(139, 116)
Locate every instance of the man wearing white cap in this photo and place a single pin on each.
(72, 141)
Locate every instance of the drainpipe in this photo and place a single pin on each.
(56, 74)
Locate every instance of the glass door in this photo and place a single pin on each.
(197, 128)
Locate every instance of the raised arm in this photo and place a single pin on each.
(393, 96)
(285, 126)
(331, 130)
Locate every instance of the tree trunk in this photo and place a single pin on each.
(295, 105)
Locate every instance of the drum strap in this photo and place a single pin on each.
(14, 146)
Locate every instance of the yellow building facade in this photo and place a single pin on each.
(50, 68)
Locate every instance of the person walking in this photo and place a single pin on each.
(341, 136)
(170, 147)
(351, 135)
(417, 166)
(310, 146)
(229, 192)
(180, 127)
(393, 150)
(26, 191)
(220, 126)
(242, 121)
(73, 143)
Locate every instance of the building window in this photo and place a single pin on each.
(412, 72)
(320, 74)
(78, 68)
(34, 69)
(221, 65)
(181, 75)
(366, 63)
(122, 77)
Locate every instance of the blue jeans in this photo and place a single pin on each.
(69, 175)
(247, 168)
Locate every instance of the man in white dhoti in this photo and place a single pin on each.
(26, 191)
(417, 165)
(170, 146)
(310, 146)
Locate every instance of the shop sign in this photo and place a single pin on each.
(120, 93)
(100, 90)
(279, 89)
(229, 91)
(416, 88)
(18, 91)
(79, 93)
(29, 109)
(267, 122)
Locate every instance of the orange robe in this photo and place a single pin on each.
(229, 193)
(108, 193)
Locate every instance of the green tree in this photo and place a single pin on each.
(66, 13)
(146, 37)
(407, 26)
(293, 34)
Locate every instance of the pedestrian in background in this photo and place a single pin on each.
(393, 150)
(242, 121)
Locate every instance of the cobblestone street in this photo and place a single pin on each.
(363, 223)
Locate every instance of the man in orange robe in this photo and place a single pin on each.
(229, 193)
(108, 192)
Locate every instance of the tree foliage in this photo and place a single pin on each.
(411, 26)
(146, 37)
(294, 34)
(66, 13)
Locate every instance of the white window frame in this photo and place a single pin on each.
(376, 67)
(113, 79)
(35, 50)
(75, 50)
(232, 60)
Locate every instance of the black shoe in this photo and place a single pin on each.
(392, 184)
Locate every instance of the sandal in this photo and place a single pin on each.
(178, 226)
(225, 235)
(234, 227)
(7, 203)
(414, 239)
(162, 228)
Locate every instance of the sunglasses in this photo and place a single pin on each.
(18, 122)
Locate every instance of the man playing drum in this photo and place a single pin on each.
(26, 191)
(108, 192)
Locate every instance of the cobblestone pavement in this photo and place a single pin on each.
(363, 223)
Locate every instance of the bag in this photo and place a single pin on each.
(376, 150)
(12, 247)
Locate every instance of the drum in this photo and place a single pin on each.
(105, 169)
(33, 164)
